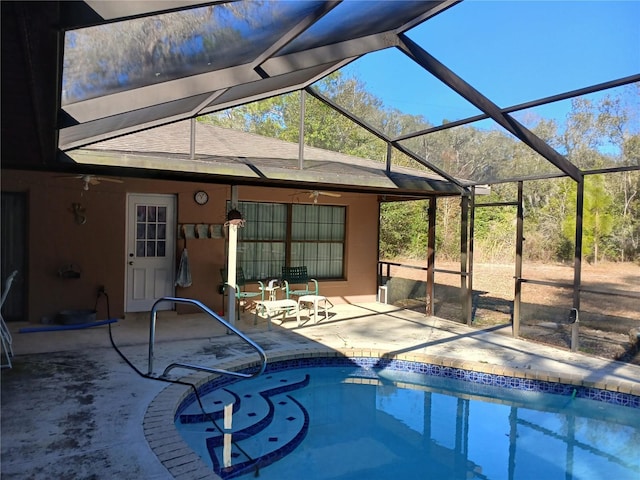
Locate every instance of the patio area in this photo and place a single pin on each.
(73, 408)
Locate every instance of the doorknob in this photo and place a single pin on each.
(130, 263)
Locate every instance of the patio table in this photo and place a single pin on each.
(273, 307)
(315, 300)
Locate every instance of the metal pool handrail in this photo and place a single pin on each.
(215, 316)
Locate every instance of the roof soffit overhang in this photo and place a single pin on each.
(196, 149)
(267, 172)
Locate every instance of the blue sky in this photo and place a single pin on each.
(512, 52)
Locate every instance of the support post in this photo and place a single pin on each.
(577, 263)
(472, 223)
(303, 96)
(231, 273)
(389, 155)
(517, 296)
(431, 257)
(464, 248)
(232, 255)
(192, 145)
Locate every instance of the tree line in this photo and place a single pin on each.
(597, 134)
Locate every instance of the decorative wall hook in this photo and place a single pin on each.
(79, 213)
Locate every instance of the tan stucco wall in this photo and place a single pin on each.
(98, 246)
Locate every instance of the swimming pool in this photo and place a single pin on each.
(352, 418)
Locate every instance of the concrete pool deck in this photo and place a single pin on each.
(73, 408)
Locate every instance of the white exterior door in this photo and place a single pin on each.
(151, 233)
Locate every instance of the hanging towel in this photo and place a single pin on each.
(184, 272)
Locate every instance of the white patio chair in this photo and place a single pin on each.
(5, 334)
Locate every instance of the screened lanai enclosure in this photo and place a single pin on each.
(502, 139)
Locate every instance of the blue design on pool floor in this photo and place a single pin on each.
(257, 438)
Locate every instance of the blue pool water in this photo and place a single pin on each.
(357, 421)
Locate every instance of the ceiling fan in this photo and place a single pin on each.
(89, 179)
(316, 193)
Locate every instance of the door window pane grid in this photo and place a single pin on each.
(151, 231)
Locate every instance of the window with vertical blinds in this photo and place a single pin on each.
(278, 234)
(262, 240)
(317, 239)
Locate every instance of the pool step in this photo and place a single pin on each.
(289, 426)
(266, 425)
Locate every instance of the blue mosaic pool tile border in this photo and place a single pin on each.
(409, 366)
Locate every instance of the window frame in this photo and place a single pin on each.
(288, 242)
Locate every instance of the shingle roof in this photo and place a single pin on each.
(232, 153)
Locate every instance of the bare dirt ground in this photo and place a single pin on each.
(606, 322)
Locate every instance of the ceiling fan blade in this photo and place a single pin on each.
(316, 193)
(89, 179)
(70, 176)
(112, 180)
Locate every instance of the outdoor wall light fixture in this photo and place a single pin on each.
(234, 217)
